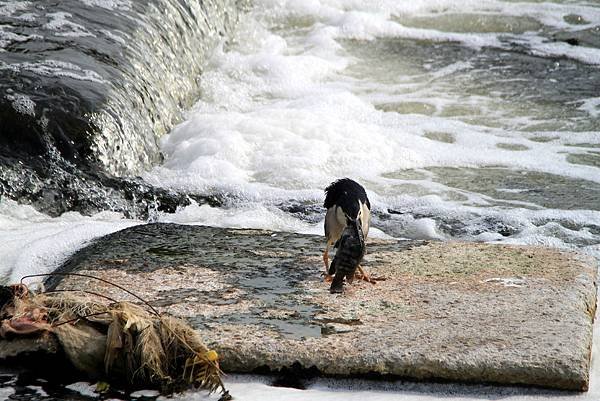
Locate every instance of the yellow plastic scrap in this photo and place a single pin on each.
(102, 387)
(212, 355)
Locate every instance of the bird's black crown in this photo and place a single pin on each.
(346, 193)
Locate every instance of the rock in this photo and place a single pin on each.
(444, 311)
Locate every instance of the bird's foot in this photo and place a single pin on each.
(365, 277)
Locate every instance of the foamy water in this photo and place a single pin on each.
(313, 91)
(31, 242)
(473, 120)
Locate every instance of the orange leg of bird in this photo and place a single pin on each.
(328, 277)
(363, 275)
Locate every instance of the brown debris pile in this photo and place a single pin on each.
(118, 342)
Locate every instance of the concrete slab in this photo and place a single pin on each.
(445, 311)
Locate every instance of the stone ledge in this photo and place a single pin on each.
(445, 311)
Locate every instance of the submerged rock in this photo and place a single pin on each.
(442, 311)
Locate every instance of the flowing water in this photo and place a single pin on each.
(471, 120)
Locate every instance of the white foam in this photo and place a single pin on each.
(28, 17)
(59, 22)
(543, 47)
(548, 13)
(9, 8)
(113, 36)
(7, 37)
(109, 4)
(84, 388)
(591, 106)
(349, 19)
(144, 393)
(38, 391)
(33, 243)
(248, 215)
(255, 216)
(56, 68)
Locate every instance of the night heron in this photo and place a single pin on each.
(347, 206)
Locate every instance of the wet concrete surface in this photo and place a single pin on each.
(441, 311)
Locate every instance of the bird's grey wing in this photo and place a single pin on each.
(333, 226)
(365, 219)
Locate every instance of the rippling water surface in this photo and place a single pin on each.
(472, 120)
